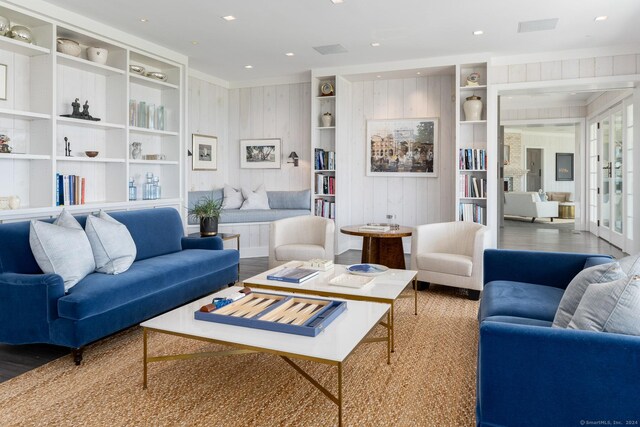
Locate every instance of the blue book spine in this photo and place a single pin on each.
(283, 279)
(57, 189)
(72, 199)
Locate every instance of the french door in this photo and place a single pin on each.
(610, 173)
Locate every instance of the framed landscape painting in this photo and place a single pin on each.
(260, 153)
(205, 152)
(402, 147)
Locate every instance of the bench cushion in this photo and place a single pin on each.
(100, 293)
(232, 216)
(519, 299)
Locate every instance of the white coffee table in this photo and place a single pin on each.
(385, 288)
(331, 347)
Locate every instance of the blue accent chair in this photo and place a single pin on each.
(530, 374)
(169, 271)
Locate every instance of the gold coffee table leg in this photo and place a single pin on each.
(339, 394)
(415, 294)
(144, 369)
(393, 330)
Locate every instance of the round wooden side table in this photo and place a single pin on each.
(381, 247)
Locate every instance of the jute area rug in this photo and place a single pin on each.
(430, 382)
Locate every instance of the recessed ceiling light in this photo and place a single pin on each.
(572, 93)
(248, 67)
(194, 42)
(144, 20)
(601, 18)
(290, 54)
(478, 33)
(337, 1)
(418, 73)
(375, 44)
(229, 18)
(378, 76)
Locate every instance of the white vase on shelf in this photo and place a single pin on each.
(472, 108)
(326, 120)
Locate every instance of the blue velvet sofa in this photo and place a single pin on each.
(530, 374)
(170, 270)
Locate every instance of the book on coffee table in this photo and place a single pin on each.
(293, 275)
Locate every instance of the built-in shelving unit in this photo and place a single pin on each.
(323, 177)
(471, 147)
(42, 92)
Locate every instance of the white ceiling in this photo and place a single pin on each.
(405, 29)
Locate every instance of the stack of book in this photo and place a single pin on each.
(473, 159)
(375, 227)
(470, 186)
(324, 160)
(293, 275)
(325, 208)
(473, 213)
(70, 190)
(325, 184)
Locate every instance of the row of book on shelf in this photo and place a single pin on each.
(471, 186)
(473, 213)
(473, 159)
(325, 184)
(325, 160)
(70, 190)
(325, 208)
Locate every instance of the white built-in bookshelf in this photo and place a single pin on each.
(471, 147)
(323, 149)
(41, 85)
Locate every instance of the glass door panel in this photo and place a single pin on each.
(605, 202)
(617, 178)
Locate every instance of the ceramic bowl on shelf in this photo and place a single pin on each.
(5, 25)
(137, 69)
(97, 54)
(156, 75)
(91, 153)
(68, 47)
(21, 33)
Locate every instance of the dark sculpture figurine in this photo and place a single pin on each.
(76, 114)
(67, 147)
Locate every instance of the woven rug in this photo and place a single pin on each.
(430, 382)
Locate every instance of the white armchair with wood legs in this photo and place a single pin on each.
(300, 238)
(450, 253)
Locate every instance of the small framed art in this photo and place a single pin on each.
(205, 152)
(260, 153)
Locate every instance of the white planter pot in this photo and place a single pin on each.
(472, 108)
(326, 120)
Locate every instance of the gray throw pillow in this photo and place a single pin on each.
(610, 307)
(62, 248)
(630, 264)
(232, 198)
(255, 199)
(571, 298)
(113, 247)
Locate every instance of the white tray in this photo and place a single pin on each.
(351, 281)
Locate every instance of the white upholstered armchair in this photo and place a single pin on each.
(300, 238)
(450, 253)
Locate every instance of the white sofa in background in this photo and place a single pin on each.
(300, 238)
(451, 254)
(528, 204)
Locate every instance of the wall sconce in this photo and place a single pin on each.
(293, 158)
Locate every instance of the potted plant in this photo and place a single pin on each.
(207, 210)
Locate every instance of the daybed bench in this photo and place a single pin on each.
(169, 270)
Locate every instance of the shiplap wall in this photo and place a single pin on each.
(606, 100)
(278, 111)
(601, 66)
(413, 200)
(569, 112)
(208, 115)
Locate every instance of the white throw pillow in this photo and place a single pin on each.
(610, 307)
(232, 198)
(574, 293)
(255, 199)
(62, 248)
(113, 247)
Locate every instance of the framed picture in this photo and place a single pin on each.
(402, 147)
(260, 153)
(564, 166)
(3, 82)
(205, 152)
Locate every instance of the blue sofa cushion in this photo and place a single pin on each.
(519, 299)
(99, 293)
(289, 199)
(15, 251)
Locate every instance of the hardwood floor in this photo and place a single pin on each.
(15, 360)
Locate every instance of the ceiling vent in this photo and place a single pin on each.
(330, 49)
(539, 25)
